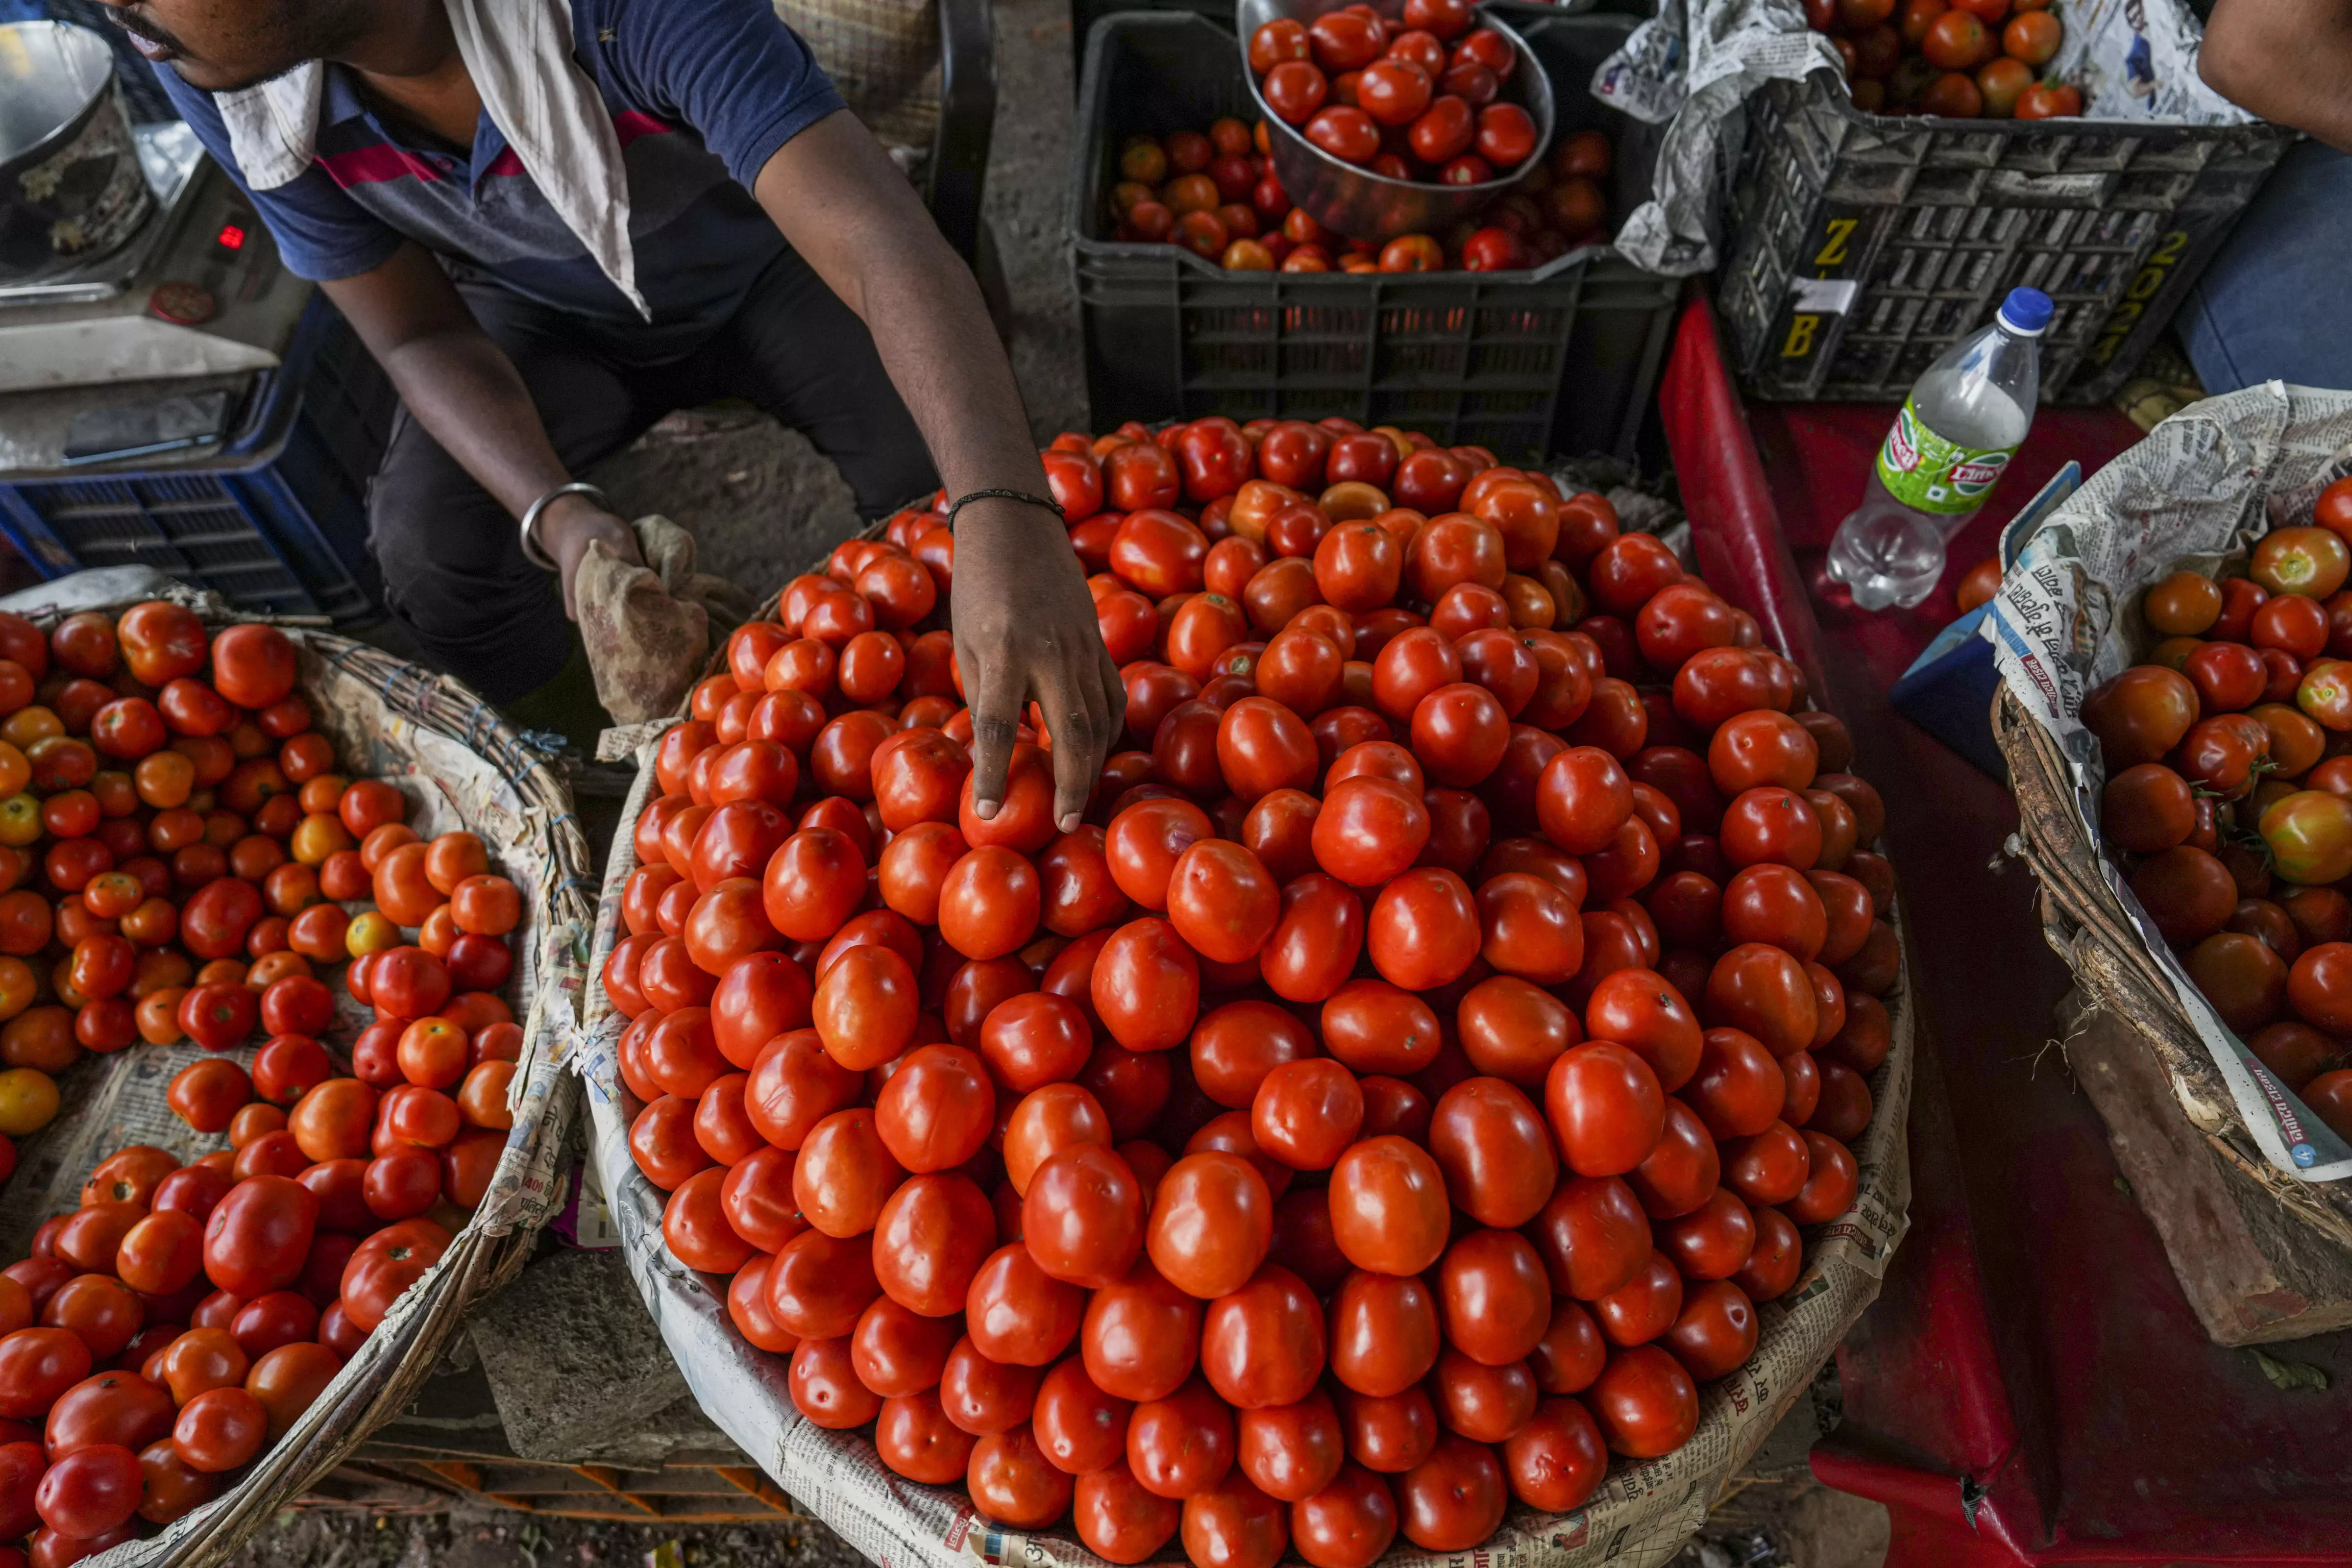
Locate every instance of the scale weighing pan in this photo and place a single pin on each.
(194, 287)
(71, 185)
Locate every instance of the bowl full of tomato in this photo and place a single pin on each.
(1137, 1099)
(1400, 117)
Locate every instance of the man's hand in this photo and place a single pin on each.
(1025, 623)
(1024, 628)
(565, 530)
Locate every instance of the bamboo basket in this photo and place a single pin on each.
(1640, 1517)
(2263, 1256)
(458, 763)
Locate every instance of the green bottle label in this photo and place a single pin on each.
(1927, 473)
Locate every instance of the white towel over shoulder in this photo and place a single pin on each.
(519, 53)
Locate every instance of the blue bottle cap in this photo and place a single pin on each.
(2025, 312)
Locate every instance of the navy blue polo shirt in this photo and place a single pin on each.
(702, 92)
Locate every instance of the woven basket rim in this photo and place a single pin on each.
(479, 1261)
(1887, 1113)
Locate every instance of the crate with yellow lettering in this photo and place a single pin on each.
(1862, 245)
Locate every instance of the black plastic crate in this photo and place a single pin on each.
(1862, 246)
(276, 520)
(1559, 360)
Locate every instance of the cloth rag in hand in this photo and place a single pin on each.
(648, 629)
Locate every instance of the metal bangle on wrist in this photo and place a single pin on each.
(532, 550)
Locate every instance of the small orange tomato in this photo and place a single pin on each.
(487, 905)
(482, 1098)
(318, 836)
(452, 858)
(432, 1053)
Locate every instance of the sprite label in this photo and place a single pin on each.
(1927, 473)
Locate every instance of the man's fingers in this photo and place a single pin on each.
(1114, 700)
(1070, 714)
(995, 710)
(1110, 707)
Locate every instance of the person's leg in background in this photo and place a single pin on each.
(2276, 302)
(454, 574)
(797, 352)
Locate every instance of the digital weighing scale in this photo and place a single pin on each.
(171, 395)
(187, 313)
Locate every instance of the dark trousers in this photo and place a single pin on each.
(454, 572)
(2275, 304)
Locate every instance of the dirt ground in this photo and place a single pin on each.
(761, 503)
(1769, 1525)
(473, 1537)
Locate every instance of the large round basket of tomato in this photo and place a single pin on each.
(1447, 1096)
(2176, 718)
(290, 932)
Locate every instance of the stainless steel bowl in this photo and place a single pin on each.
(71, 186)
(1353, 201)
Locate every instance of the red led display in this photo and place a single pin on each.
(231, 237)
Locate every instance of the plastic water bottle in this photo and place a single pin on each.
(1964, 420)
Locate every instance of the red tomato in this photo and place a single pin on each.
(1146, 986)
(1495, 1151)
(1212, 1223)
(1605, 1105)
(1263, 746)
(1369, 830)
(1423, 931)
(253, 666)
(256, 1236)
(1644, 1403)
(1315, 942)
(1222, 901)
(385, 1265)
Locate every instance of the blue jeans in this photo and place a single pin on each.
(2276, 303)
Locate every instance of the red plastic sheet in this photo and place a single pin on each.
(2030, 1386)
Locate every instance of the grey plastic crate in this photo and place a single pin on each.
(1861, 246)
(1561, 359)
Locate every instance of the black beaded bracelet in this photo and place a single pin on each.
(958, 504)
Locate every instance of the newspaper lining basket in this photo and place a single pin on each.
(458, 764)
(1639, 1517)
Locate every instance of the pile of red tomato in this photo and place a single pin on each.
(181, 1317)
(2230, 794)
(1215, 197)
(1960, 58)
(1421, 102)
(1391, 1101)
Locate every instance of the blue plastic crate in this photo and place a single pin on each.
(274, 521)
(1948, 689)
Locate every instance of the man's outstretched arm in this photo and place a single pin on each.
(2286, 60)
(1025, 623)
(464, 390)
